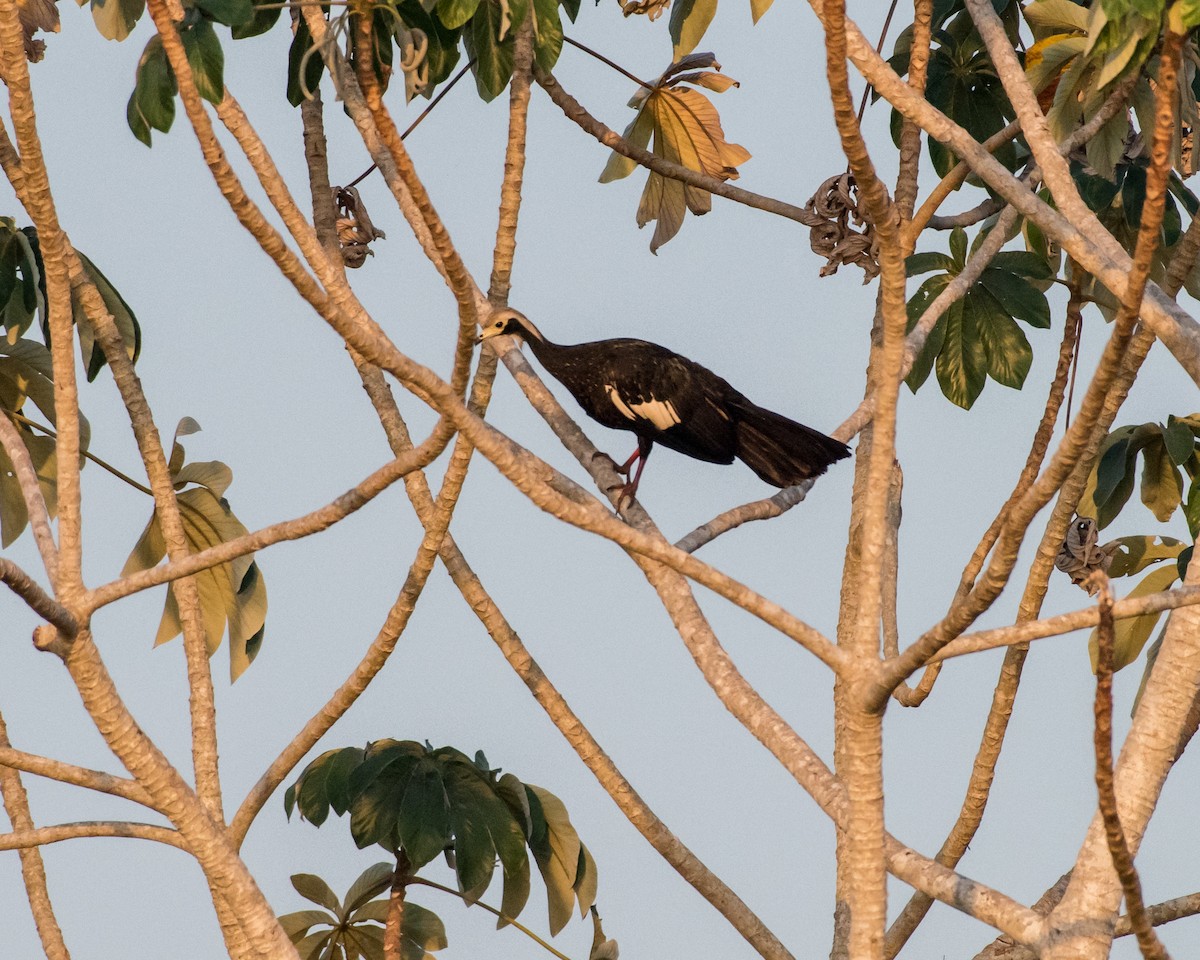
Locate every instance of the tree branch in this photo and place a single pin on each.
(33, 871)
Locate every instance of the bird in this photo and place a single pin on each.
(666, 398)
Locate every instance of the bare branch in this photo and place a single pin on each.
(44, 605)
(1118, 848)
(16, 805)
(78, 776)
(29, 839)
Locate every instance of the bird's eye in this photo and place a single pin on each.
(1081, 526)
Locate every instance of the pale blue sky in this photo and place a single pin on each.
(227, 342)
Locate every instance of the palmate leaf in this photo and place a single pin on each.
(233, 594)
(1162, 450)
(686, 129)
(1134, 554)
(152, 103)
(406, 796)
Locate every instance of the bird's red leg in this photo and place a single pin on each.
(629, 488)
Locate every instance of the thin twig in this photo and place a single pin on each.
(603, 59)
(423, 114)
(1122, 858)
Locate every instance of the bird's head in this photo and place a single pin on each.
(509, 321)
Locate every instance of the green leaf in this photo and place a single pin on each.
(422, 933)
(548, 38)
(152, 105)
(455, 13)
(262, 21)
(493, 58)
(121, 312)
(305, 65)
(689, 21)
(296, 925)
(232, 13)
(206, 59)
(920, 263)
(958, 248)
(424, 820)
(115, 19)
(313, 888)
(923, 364)
(1130, 635)
(1180, 441)
(1008, 353)
(961, 363)
(1017, 296)
(1162, 485)
(370, 883)
(313, 946)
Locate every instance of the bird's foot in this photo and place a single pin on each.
(627, 492)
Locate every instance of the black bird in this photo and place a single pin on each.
(665, 398)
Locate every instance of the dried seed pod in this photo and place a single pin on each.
(354, 228)
(1080, 555)
(836, 203)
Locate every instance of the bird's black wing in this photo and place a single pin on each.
(671, 400)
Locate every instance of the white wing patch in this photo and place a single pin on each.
(618, 402)
(661, 413)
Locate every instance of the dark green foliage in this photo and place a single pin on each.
(961, 80)
(1167, 452)
(978, 337)
(412, 799)
(302, 56)
(152, 103)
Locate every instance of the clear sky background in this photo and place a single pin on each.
(226, 341)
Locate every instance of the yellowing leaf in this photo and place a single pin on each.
(687, 131)
(1130, 635)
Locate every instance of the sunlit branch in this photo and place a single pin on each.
(33, 871)
(77, 776)
(1066, 623)
(40, 602)
(41, 836)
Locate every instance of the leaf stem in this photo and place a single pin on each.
(603, 59)
(424, 113)
(96, 460)
(492, 910)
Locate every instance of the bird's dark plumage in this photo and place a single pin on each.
(665, 398)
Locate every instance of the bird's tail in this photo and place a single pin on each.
(781, 451)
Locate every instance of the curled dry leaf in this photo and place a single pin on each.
(37, 15)
(354, 228)
(1080, 554)
(836, 202)
(651, 9)
(680, 125)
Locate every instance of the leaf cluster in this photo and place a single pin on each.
(411, 798)
(961, 80)
(232, 594)
(978, 336)
(686, 130)
(1167, 453)
(354, 924)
